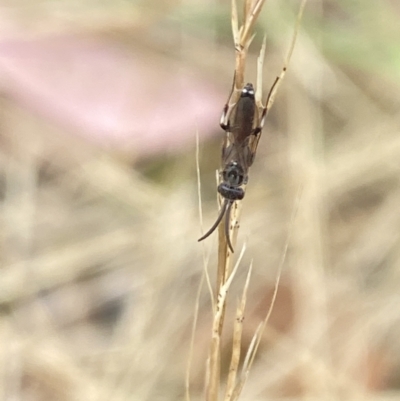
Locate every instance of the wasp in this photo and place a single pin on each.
(243, 123)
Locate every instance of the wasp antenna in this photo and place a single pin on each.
(227, 221)
(215, 225)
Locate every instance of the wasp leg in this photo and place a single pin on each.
(224, 122)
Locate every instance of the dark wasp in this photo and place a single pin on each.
(243, 123)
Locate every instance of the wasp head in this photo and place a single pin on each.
(248, 91)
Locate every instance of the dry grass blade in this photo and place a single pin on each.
(214, 364)
(194, 325)
(198, 178)
(260, 64)
(242, 37)
(224, 254)
(252, 351)
(245, 372)
(99, 267)
(235, 22)
(237, 340)
(251, 14)
(271, 98)
(205, 259)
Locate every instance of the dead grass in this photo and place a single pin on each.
(100, 267)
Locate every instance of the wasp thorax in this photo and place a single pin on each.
(233, 175)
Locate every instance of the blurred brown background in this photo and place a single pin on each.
(101, 103)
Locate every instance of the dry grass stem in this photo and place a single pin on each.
(235, 23)
(192, 337)
(224, 254)
(251, 12)
(99, 286)
(237, 340)
(252, 351)
(260, 65)
(205, 258)
(246, 363)
(214, 365)
(274, 91)
(242, 37)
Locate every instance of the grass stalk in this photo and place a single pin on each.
(243, 36)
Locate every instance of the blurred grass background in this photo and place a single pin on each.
(99, 255)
